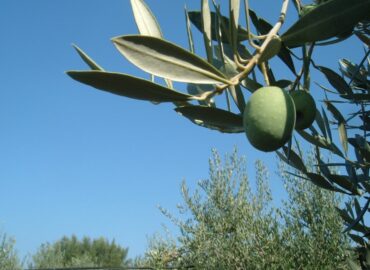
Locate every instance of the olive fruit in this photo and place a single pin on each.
(305, 108)
(269, 118)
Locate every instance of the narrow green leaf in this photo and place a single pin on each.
(344, 182)
(320, 181)
(167, 60)
(195, 18)
(294, 159)
(341, 125)
(359, 240)
(234, 16)
(91, 63)
(189, 32)
(145, 20)
(238, 97)
(336, 81)
(128, 86)
(320, 122)
(327, 20)
(327, 125)
(320, 142)
(213, 118)
(355, 225)
(206, 29)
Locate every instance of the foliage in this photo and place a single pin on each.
(72, 252)
(227, 225)
(237, 56)
(8, 255)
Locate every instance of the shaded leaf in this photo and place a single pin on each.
(327, 20)
(320, 122)
(359, 240)
(213, 118)
(196, 19)
(145, 20)
(128, 86)
(294, 159)
(344, 182)
(167, 60)
(91, 63)
(327, 125)
(355, 225)
(320, 181)
(336, 81)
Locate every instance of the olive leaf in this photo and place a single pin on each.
(294, 159)
(213, 118)
(196, 19)
(327, 20)
(344, 182)
(91, 63)
(145, 20)
(167, 60)
(341, 125)
(128, 86)
(206, 29)
(336, 81)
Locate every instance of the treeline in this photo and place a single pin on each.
(223, 224)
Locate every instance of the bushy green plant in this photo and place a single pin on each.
(225, 224)
(72, 252)
(8, 256)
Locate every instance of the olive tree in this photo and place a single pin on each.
(8, 256)
(225, 223)
(271, 111)
(73, 252)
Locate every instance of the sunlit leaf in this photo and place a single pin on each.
(189, 32)
(128, 86)
(206, 29)
(213, 118)
(196, 19)
(327, 20)
(91, 63)
(165, 59)
(145, 20)
(341, 125)
(234, 16)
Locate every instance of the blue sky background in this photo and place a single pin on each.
(74, 160)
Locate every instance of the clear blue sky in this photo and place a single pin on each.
(74, 160)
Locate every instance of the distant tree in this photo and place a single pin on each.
(229, 226)
(8, 256)
(72, 252)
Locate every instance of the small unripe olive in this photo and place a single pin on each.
(305, 107)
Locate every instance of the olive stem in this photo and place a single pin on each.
(251, 62)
